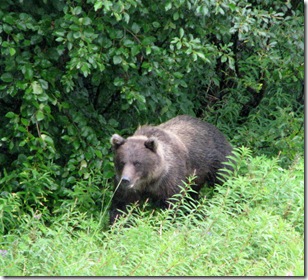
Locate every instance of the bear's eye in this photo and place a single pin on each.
(121, 164)
(137, 163)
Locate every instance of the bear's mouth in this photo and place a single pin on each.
(127, 183)
(133, 186)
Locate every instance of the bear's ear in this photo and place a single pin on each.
(151, 144)
(116, 141)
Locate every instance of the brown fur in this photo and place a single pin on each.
(154, 161)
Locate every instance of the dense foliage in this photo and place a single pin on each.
(74, 72)
(252, 226)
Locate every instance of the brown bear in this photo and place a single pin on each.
(155, 160)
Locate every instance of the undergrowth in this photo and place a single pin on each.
(252, 225)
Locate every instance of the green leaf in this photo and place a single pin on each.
(224, 58)
(59, 39)
(201, 55)
(148, 40)
(181, 32)
(22, 143)
(85, 69)
(47, 139)
(77, 34)
(117, 59)
(232, 7)
(205, 10)
(28, 71)
(76, 145)
(10, 115)
(7, 77)
(12, 51)
(8, 18)
(126, 17)
(148, 50)
(42, 97)
(178, 75)
(43, 83)
(7, 28)
(156, 24)
(135, 28)
(36, 87)
(98, 5)
(118, 82)
(71, 179)
(83, 164)
(168, 6)
(231, 62)
(25, 122)
(98, 154)
(86, 21)
(135, 50)
(77, 10)
(176, 16)
(179, 45)
(39, 115)
(128, 42)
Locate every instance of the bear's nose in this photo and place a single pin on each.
(125, 180)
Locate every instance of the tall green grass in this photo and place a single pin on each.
(253, 225)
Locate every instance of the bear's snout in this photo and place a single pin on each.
(125, 181)
(129, 176)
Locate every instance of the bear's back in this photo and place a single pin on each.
(193, 131)
(207, 146)
(199, 144)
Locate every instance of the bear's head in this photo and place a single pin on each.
(138, 161)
